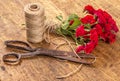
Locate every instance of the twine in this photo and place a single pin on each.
(35, 18)
(38, 27)
(70, 45)
(50, 28)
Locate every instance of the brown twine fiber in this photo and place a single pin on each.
(35, 18)
(70, 45)
(50, 28)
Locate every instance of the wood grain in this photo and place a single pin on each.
(106, 68)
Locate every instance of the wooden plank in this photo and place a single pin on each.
(43, 68)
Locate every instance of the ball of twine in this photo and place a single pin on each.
(35, 18)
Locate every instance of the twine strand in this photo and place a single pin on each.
(70, 45)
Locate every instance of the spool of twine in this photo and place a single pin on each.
(35, 19)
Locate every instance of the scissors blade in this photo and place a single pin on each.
(50, 52)
(77, 60)
(71, 56)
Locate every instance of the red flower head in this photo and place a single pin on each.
(80, 48)
(106, 21)
(100, 17)
(88, 19)
(112, 38)
(89, 9)
(108, 37)
(94, 36)
(80, 31)
(98, 29)
(107, 28)
(89, 47)
(105, 35)
(113, 25)
(106, 15)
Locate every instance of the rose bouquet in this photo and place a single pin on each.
(87, 31)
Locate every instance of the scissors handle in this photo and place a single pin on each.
(20, 45)
(15, 58)
(11, 58)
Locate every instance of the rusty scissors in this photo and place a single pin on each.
(15, 58)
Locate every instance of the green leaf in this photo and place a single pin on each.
(87, 25)
(66, 32)
(58, 31)
(72, 16)
(59, 17)
(76, 23)
(65, 25)
(80, 40)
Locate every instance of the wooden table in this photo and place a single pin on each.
(106, 68)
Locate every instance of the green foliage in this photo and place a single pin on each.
(75, 24)
(67, 29)
(65, 25)
(59, 17)
(66, 32)
(72, 16)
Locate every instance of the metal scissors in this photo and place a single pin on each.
(15, 58)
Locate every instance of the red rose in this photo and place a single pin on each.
(106, 15)
(105, 35)
(80, 48)
(101, 19)
(107, 28)
(89, 9)
(108, 37)
(98, 29)
(113, 25)
(106, 21)
(94, 36)
(89, 19)
(80, 31)
(112, 38)
(89, 47)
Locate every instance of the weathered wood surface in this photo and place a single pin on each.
(106, 68)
